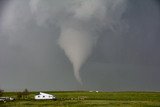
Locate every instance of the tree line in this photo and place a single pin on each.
(19, 95)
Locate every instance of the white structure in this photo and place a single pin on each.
(44, 96)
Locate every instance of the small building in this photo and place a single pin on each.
(44, 96)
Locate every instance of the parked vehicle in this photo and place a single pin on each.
(5, 99)
(2, 100)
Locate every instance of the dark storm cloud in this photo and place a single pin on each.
(2, 4)
(126, 56)
(139, 44)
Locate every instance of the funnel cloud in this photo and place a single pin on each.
(77, 46)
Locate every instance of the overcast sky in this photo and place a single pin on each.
(115, 42)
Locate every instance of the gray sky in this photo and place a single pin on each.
(125, 57)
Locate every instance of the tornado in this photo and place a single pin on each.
(77, 39)
(77, 46)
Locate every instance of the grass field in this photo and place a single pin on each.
(89, 99)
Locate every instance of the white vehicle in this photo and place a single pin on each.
(6, 99)
(44, 96)
(2, 100)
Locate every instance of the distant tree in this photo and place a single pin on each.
(1, 92)
(19, 95)
(25, 93)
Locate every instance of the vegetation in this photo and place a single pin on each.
(1, 92)
(88, 99)
(23, 95)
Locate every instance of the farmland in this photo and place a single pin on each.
(88, 99)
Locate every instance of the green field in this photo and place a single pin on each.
(88, 99)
